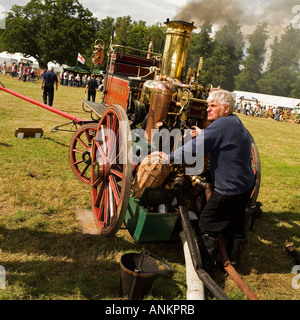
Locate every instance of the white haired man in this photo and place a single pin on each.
(227, 142)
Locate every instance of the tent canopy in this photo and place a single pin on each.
(77, 69)
(98, 72)
(266, 99)
(4, 56)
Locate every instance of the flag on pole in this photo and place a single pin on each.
(80, 58)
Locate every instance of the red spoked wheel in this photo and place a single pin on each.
(256, 168)
(111, 176)
(80, 152)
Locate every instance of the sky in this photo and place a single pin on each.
(277, 13)
(151, 11)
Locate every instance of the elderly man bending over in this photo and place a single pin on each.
(228, 144)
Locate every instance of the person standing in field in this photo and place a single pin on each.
(91, 87)
(48, 81)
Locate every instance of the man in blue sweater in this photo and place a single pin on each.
(227, 142)
(48, 81)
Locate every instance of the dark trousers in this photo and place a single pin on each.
(48, 93)
(224, 214)
(91, 93)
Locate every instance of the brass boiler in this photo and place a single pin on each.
(178, 36)
(161, 98)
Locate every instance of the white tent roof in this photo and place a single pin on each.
(268, 100)
(4, 56)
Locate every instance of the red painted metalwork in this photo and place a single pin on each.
(59, 112)
(80, 151)
(111, 171)
(117, 91)
(130, 65)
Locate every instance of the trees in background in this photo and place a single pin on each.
(282, 76)
(56, 30)
(252, 65)
(49, 30)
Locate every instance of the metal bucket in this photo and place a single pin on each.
(138, 272)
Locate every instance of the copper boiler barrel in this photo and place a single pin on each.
(159, 107)
(178, 36)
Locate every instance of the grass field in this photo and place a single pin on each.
(45, 254)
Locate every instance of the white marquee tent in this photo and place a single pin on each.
(8, 58)
(17, 57)
(33, 62)
(266, 99)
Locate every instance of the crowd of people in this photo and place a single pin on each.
(71, 79)
(258, 110)
(22, 71)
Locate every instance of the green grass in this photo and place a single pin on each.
(45, 254)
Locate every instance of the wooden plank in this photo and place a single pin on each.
(98, 108)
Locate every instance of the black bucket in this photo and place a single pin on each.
(138, 272)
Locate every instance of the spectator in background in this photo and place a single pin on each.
(4, 68)
(61, 78)
(14, 70)
(20, 70)
(25, 71)
(66, 78)
(48, 81)
(91, 87)
(84, 80)
(77, 80)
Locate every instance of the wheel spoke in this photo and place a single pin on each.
(84, 170)
(105, 208)
(116, 160)
(111, 203)
(113, 137)
(115, 189)
(83, 144)
(98, 195)
(78, 162)
(90, 136)
(117, 173)
(103, 141)
(78, 151)
(100, 149)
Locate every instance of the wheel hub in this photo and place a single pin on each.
(86, 157)
(101, 169)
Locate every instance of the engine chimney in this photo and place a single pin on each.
(177, 39)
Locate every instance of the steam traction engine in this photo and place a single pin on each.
(142, 94)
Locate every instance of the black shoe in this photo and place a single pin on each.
(209, 253)
(234, 250)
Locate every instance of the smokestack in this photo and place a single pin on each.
(177, 40)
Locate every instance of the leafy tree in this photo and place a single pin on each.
(224, 53)
(283, 70)
(105, 29)
(215, 67)
(137, 37)
(253, 64)
(123, 27)
(231, 39)
(201, 45)
(158, 32)
(49, 30)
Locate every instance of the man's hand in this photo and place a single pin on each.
(196, 131)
